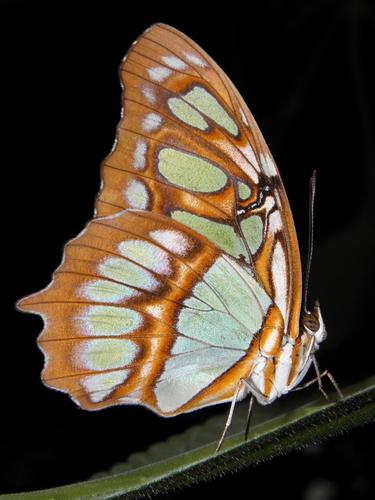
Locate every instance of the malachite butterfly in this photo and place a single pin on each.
(185, 288)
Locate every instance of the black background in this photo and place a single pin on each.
(304, 68)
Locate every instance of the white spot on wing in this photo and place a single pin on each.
(174, 62)
(268, 165)
(172, 240)
(155, 311)
(279, 278)
(193, 58)
(159, 73)
(151, 122)
(268, 204)
(136, 195)
(140, 155)
(274, 222)
(149, 94)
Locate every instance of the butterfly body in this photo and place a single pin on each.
(188, 279)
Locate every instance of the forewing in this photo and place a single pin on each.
(188, 147)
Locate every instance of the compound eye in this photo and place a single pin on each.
(311, 322)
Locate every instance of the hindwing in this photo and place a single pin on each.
(141, 305)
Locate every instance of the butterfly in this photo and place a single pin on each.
(185, 289)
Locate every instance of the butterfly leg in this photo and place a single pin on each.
(318, 379)
(330, 376)
(249, 414)
(231, 410)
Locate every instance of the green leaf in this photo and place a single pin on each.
(166, 467)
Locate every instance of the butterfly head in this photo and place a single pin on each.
(313, 324)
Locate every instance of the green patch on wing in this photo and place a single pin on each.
(224, 235)
(190, 171)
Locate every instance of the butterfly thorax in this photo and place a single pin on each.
(275, 375)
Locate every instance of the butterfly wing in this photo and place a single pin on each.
(144, 310)
(169, 303)
(187, 146)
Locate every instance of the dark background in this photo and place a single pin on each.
(304, 68)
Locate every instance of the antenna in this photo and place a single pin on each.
(311, 238)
